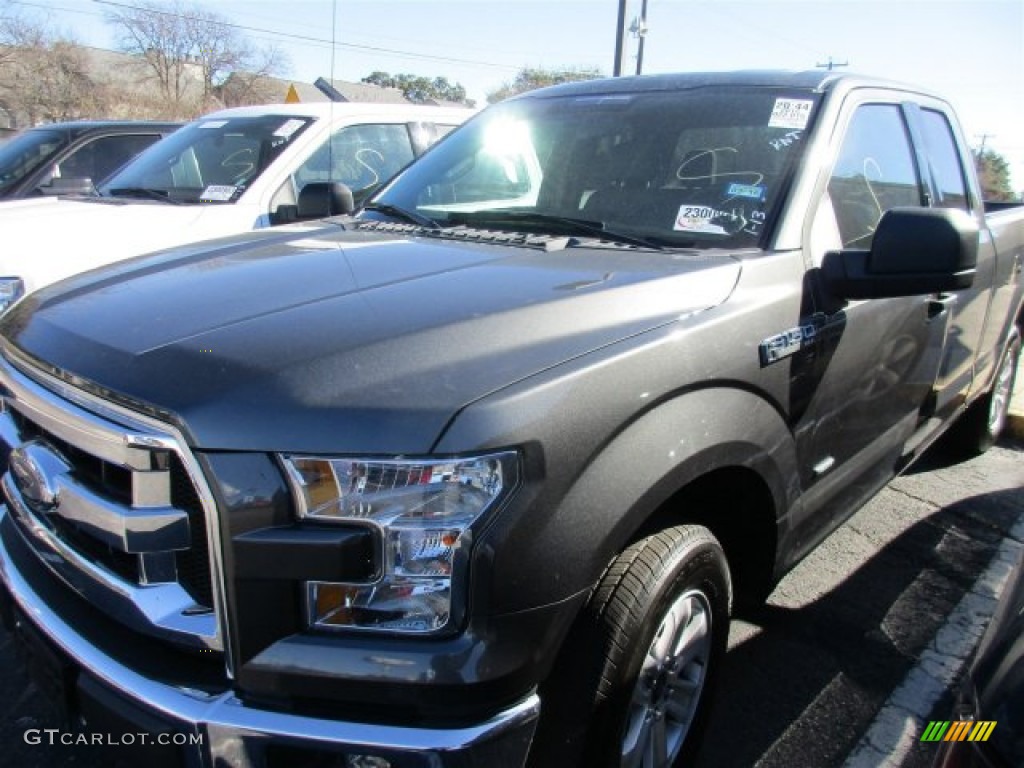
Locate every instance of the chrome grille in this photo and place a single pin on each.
(107, 500)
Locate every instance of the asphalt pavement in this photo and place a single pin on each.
(863, 643)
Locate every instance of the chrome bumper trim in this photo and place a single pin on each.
(165, 606)
(229, 725)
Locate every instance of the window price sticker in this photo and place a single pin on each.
(790, 113)
(697, 218)
(217, 193)
(288, 128)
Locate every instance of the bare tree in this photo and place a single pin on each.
(17, 31)
(190, 50)
(43, 77)
(56, 85)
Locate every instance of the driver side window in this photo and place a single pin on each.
(875, 171)
(361, 157)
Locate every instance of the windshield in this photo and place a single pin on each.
(208, 161)
(22, 154)
(702, 167)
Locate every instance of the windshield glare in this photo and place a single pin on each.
(701, 167)
(209, 161)
(22, 154)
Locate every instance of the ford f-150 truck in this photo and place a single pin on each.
(475, 476)
(229, 172)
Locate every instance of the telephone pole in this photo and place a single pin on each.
(831, 64)
(620, 34)
(640, 30)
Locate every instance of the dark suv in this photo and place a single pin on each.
(67, 158)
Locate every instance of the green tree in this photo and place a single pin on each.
(994, 176)
(421, 90)
(530, 78)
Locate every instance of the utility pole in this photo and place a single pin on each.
(830, 65)
(620, 34)
(640, 30)
(984, 137)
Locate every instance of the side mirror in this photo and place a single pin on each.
(69, 186)
(915, 251)
(320, 199)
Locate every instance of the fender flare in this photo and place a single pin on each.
(549, 553)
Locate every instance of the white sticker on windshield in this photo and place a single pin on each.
(217, 193)
(791, 113)
(288, 128)
(697, 218)
(213, 124)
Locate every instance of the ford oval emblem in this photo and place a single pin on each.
(36, 468)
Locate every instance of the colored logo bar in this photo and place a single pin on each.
(962, 730)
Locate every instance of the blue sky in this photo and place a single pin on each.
(971, 51)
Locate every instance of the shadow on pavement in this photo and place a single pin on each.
(825, 668)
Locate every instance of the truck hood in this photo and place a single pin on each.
(339, 341)
(53, 238)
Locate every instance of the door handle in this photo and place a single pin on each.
(939, 304)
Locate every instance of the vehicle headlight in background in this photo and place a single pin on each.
(11, 289)
(423, 509)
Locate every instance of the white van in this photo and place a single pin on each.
(229, 172)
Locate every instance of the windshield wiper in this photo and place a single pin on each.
(565, 225)
(402, 213)
(144, 193)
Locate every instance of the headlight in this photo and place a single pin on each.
(423, 510)
(11, 289)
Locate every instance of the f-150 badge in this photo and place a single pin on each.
(789, 342)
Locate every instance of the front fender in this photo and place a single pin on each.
(559, 534)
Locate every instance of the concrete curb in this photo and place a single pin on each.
(899, 724)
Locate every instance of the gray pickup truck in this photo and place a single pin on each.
(476, 476)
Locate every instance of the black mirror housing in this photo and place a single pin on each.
(320, 199)
(915, 251)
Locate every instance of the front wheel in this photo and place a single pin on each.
(984, 421)
(650, 643)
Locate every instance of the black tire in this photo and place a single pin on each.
(979, 428)
(633, 689)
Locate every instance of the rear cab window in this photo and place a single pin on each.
(947, 171)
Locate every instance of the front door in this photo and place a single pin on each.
(875, 361)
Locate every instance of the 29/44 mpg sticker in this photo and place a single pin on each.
(790, 113)
(697, 218)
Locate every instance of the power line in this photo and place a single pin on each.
(317, 40)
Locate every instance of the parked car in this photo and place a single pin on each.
(475, 476)
(69, 158)
(232, 171)
(992, 692)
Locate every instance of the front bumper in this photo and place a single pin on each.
(226, 731)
